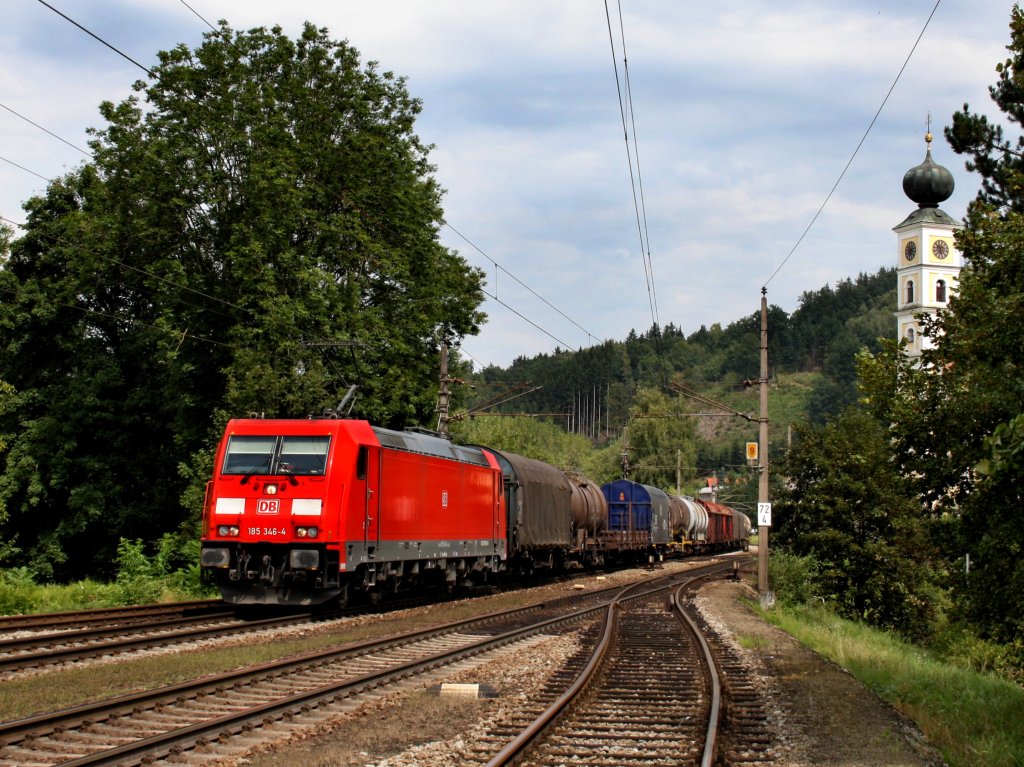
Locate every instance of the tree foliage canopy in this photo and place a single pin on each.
(257, 230)
(848, 507)
(955, 420)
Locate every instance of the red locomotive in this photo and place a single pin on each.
(302, 511)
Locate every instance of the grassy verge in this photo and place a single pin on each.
(170, 574)
(976, 719)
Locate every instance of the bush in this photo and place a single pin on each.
(17, 591)
(957, 644)
(171, 575)
(794, 579)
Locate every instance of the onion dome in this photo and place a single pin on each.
(929, 183)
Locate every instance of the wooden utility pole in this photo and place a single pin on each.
(762, 486)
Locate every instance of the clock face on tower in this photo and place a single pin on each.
(910, 250)
(940, 249)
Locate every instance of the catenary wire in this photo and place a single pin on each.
(859, 144)
(523, 284)
(198, 15)
(22, 167)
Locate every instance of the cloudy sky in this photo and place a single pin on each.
(746, 113)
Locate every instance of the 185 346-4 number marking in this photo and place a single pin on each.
(269, 531)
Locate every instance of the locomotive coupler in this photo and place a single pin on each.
(267, 571)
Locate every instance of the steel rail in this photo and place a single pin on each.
(165, 744)
(59, 655)
(59, 637)
(38, 621)
(16, 727)
(714, 676)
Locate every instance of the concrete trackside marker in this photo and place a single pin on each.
(463, 690)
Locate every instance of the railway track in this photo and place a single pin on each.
(60, 638)
(51, 649)
(650, 691)
(108, 616)
(220, 715)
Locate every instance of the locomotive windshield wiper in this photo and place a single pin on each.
(249, 474)
(288, 471)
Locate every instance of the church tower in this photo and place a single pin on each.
(928, 265)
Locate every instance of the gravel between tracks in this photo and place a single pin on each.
(822, 715)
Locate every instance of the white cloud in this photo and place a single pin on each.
(746, 114)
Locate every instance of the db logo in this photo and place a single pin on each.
(268, 505)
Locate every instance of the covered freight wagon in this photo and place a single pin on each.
(538, 499)
(638, 515)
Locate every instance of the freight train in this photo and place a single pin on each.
(304, 512)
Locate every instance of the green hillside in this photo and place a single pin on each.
(624, 397)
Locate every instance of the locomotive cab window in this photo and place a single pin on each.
(247, 455)
(276, 455)
(362, 460)
(303, 455)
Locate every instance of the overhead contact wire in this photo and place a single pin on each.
(523, 284)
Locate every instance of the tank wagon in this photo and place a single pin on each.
(700, 526)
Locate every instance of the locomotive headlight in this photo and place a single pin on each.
(300, 532)
(311, 532)
(233, 531)
(222, 531)
(270, 489)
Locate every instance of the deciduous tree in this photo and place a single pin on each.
(257, 230)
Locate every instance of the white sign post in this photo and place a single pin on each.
(764, 515)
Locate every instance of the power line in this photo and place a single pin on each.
(527, 319)
(859, 144)
(646, 236)
(523, 284)
(37, 125)
(339, 195)
(22, 167)
(629, 159)
(207, 23)
(100, 39)
(60, 241)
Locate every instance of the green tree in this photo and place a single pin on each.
(259, 236)
(945, 414)
(846, 506)
(658, 431)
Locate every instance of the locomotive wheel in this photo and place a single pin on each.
(341, 601)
